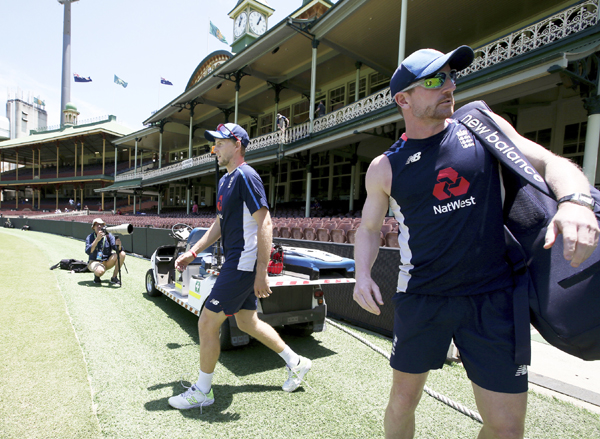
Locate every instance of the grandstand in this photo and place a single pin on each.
(522, 53)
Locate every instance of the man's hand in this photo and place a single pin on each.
(579, 228)
(183, 261)
(365, 290)
(261, 286)
(118, 243)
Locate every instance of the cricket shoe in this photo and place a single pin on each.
(97, 280)
(296, 374)
(192, 398)
(115, 281)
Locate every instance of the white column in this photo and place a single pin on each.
(135, 159)
(402, 42)
(313, 84)
(357, 87)
(237, 95)
(160, 138)
(590, 156)
(308, 192)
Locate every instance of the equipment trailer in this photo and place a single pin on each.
(297, 301)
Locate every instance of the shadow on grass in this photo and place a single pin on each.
(90, 283)
(246, 360)
(214, 413)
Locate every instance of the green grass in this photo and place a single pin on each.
(137, 348)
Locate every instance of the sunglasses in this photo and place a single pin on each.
(227, 132)
(434, 82)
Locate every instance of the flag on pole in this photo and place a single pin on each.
(39, 102)
(214, 30)
(165, 81)
(120, 81)
(81, 78)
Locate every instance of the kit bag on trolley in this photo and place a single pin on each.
(564, 302)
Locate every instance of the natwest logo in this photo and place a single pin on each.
(450, 184)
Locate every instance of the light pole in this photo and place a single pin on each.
(66, 61)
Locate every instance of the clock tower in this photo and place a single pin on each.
(250, 20)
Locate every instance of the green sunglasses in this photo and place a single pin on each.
(436, 81)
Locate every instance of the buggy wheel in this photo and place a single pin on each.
(151, 285)
(225, 336)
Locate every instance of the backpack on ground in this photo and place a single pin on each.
(74, 265)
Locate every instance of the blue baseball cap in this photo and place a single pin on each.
(228, 131)
(427, 62)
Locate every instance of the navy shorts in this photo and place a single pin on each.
(481, 325)
(233, 290)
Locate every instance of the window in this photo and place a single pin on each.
(24, 125)
(574, 142)
(541, 137)
(337, 98)
(378, 82)
(362, 91)
(266, 124)
(301, 112)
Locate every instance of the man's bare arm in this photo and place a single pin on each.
(378, 184)
(264, 243)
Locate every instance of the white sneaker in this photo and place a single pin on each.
(296, 374)
(191, 398)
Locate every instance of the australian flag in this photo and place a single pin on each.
(120, 81)
(81, 78)
(165, 81)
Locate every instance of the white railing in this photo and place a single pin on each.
(549, 30)
(558, 26)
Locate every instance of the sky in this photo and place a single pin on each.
(140, 41)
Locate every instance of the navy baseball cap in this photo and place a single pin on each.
(427, 62)
(228, 131)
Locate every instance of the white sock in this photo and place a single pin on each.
(204, 382)
(290, 357)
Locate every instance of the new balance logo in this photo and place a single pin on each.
(465, 139)
(521, 370)
(414, 158)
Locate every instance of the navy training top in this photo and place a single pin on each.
(104, 246)
(241, 193)
(446, 197)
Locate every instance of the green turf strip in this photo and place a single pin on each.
(138, 347)
(44, 389)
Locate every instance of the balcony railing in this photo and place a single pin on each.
(556, 27)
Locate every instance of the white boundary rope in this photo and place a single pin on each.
(456, 406)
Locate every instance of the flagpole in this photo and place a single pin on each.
(159, 84)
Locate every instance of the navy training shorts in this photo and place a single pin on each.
(481, 325)
(233, 290)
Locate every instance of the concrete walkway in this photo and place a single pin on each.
(559, 374)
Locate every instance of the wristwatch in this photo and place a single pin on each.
(579, 198)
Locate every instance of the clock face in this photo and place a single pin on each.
(239, 26)
(258, 23)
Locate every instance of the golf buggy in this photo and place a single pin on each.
(296, 277)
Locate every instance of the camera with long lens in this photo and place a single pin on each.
(123, 229)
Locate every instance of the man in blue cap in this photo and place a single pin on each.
(244, 224)
(454, 283)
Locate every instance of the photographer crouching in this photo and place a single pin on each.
(99, 245)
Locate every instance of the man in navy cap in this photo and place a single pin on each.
(244, 224)
(454, 284)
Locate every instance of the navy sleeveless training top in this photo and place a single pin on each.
(446, 196)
